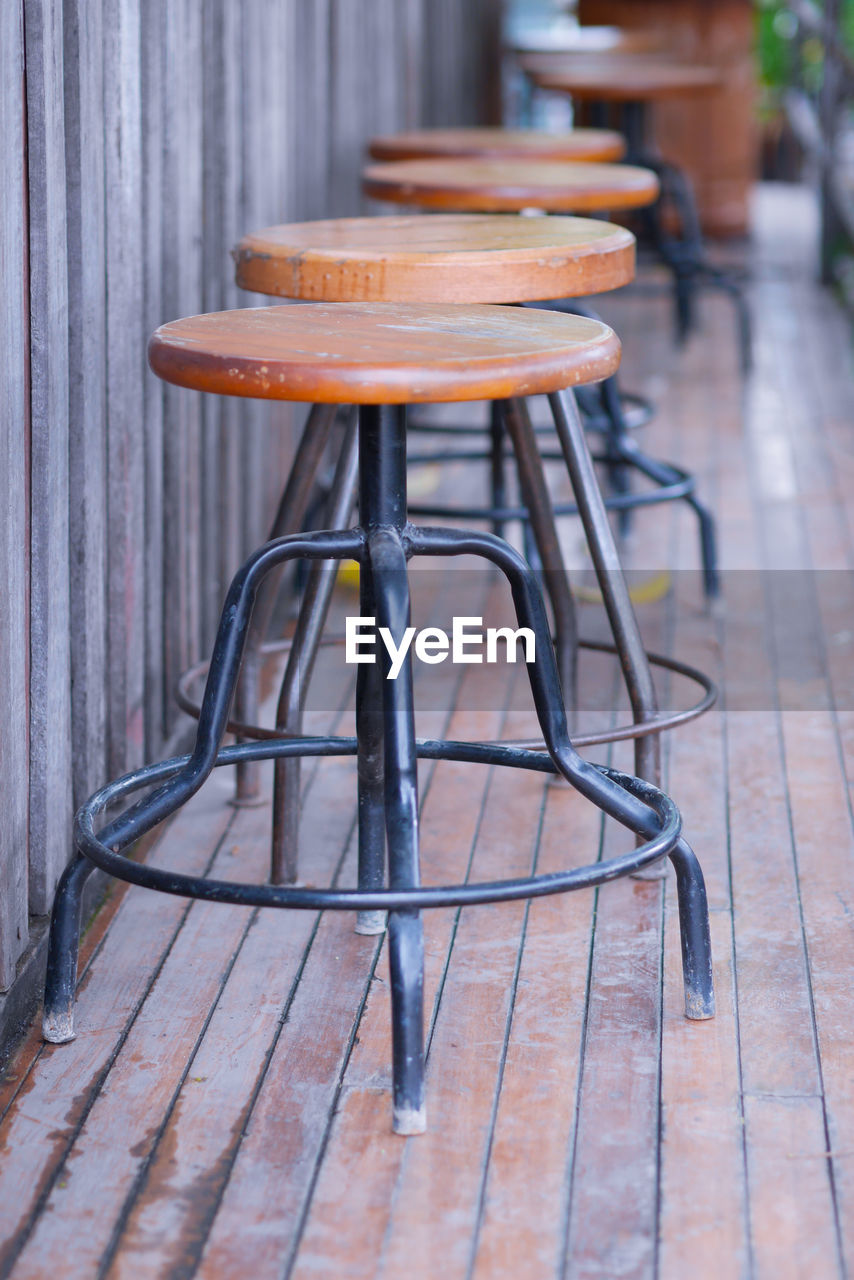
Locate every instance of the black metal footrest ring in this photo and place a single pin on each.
(286, 896)
(620, 733)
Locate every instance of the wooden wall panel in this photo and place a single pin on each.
(87, 399)
(125, 364)
(311, 108)
(158, 704)
(50, 651)
(14, 485)
(155, 133)
(225, 135)
(180, 217)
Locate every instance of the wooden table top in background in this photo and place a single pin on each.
(567, 37)
(625, 77)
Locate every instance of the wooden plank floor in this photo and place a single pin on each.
(225, 1109)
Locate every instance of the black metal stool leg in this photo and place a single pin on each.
(612, 582)
(619, 475)
(405, 933)
(300, 664)
(62, 951)
(535, 496)
(369, 731)
(610, 401)
(382, 507)
(288, 519)
(498, 487)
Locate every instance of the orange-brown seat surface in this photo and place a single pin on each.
(510, 185)
(380, 353)
(461, 258)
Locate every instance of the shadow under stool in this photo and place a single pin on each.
(381, 357)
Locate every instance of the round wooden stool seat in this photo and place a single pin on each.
(459, 258)
(501, 144)
(380, 353)
(623, 78)
(510, 185)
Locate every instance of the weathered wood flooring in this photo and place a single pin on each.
(225, 1109)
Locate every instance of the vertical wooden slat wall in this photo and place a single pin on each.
(138, 140)
(50, 620)
(14, 494)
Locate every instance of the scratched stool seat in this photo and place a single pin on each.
(447, 258)
(501, 144)
(460, 258)
(382, 357)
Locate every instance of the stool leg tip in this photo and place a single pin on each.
(408, 1121)
(58, 1028)
(370, 923)
(699, 1006)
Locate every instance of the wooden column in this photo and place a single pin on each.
(14, 496)
(50, 619)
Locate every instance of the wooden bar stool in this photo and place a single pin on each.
(459, 258)
(501, 144)
(631, 84)
(383, 357)
(515, 185)
(459, 184)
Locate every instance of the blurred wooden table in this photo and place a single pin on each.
(713, 138)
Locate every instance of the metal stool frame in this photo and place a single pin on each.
(648, 723)
(387, 753)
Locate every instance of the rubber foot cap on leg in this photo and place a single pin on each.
(370, 923)
(58, 1028)
(408, 1122)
